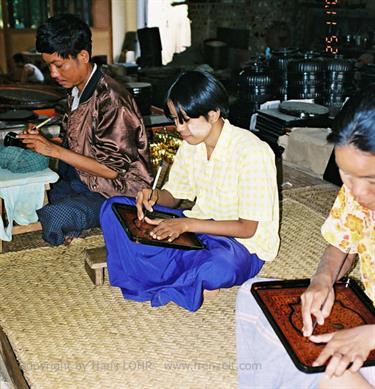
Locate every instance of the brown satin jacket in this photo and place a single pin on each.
(108, 127)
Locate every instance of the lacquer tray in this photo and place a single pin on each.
(280, 302)
(139, 231)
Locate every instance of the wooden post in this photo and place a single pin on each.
(11, 364)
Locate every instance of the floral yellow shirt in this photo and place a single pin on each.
(351, 226)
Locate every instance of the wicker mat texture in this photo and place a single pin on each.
(32, 240)
(318, 197)
(66, 333)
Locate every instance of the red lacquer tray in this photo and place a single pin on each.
(281, 304)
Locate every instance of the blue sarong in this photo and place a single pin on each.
(163, 274)
(72, 207)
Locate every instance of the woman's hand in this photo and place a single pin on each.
(312, 300)
(169, 229)
(146, 198)
(37, 142)
(345, 347)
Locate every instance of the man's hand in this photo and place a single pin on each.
(345, 347)
(30, 129)
(39, 143)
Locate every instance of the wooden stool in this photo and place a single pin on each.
(9, 365)
(95, 264)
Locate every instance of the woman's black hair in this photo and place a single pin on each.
(195, 94)
(65, 35)
(355, 123)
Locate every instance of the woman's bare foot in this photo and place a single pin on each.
(210, 294)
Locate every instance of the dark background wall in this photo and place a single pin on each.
(293, 23)
(252, 15)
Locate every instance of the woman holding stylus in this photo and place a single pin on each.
(231, 175)
(350, 232)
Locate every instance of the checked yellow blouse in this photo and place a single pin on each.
(349, 225)
(238, 181)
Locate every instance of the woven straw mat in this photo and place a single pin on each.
(66, 333)
(320, 198)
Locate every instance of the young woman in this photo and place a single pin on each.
(350, 228)
(231, 176)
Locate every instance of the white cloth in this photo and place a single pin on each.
(307, 148)
(23, 194)
(173, 24)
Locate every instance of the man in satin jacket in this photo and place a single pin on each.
(104, 149)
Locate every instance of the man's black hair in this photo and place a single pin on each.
(65, 35)
(19, 58)
(195, 94)
(355, 123)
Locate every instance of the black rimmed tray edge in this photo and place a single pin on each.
(197, 243)
(304, 283)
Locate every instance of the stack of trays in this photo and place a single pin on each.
(271, 123)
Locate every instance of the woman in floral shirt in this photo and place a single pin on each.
(350, 231)
(351, 226)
